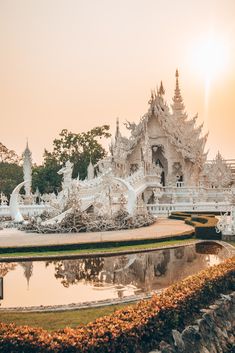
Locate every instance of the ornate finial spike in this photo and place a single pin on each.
(161, 89)
(117, 129)
(178, 105)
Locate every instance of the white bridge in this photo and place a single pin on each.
(163, 209)
(159, 200)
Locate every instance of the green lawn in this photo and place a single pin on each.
(97, 250)
(58, 320)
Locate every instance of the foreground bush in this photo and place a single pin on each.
(137, 328)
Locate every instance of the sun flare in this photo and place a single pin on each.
(210, 57)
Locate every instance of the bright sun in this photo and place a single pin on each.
(211, 57)
(210, 60)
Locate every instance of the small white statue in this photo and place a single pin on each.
(66, 171)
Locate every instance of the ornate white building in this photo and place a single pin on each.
(164, 137)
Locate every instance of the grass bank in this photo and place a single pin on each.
(59, 320)
(77, 250)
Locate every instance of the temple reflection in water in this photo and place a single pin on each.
(101, 278)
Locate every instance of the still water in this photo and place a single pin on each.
(35, 283)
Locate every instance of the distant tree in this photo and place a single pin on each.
(11, 175)
(79, 149)
(8, 156)
(46, 178)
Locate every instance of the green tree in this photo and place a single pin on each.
(46, 178)
(11, 175)
(79, 149)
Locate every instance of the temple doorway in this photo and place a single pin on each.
(158, 158)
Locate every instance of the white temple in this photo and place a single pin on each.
(164, 137)
(163, 164)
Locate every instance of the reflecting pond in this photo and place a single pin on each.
(57, 282)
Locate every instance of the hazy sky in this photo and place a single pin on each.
(77, 64)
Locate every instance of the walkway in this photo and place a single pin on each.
(161, 228)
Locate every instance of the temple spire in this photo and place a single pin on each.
(90, 171)
(28, 271)
(117, 134)
(27, 169)
(178, 105)
(161, 90)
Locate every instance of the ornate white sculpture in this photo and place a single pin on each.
(90, 171)
(226, 224)
(66, 171)
(217, 174)
(131, 203)
(4, 199)
(157, 194)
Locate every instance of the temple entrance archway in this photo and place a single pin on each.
(158, 158)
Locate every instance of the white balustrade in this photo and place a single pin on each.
(26, 210)
(166, 209)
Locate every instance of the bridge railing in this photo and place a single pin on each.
(166, 209)
(26, 210)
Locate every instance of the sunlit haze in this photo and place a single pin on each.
(79, 64)
(210, 57)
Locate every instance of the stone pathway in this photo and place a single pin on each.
(161, 228)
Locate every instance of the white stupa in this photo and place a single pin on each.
(27, 170)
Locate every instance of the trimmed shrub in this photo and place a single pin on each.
(137, 328)
(204, 224)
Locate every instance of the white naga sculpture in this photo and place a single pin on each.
(14, 203)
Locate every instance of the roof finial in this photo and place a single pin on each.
(161, 90)
(117, 129)
(178, 105)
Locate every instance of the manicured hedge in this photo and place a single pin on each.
(204, 224)
(137, 328)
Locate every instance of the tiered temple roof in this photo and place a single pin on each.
(182, 132)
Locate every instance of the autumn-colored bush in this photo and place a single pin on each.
(136, 328)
